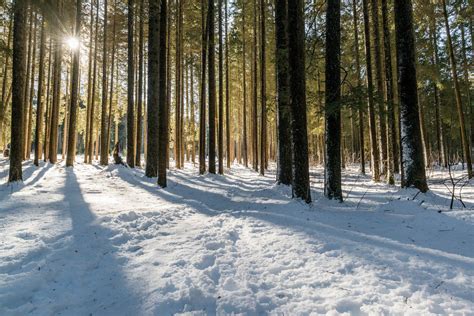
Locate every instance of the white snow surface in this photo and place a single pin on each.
(94, 240)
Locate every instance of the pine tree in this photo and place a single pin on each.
(413, 163)
(130, 89)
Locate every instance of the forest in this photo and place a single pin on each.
(219, 157)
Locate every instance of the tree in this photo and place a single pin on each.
(71, 149)
(163, 107)
(138, 154)
(374, 152)
(300, 185)
(220, 142)
(263, 93)
(130, 89)
(104, 146)
(18, 84)
(202, 106)
(457, 92)
(212, 88)
(284, 161)
(151, 169)
(332, 188)
(413, 163)
(40, 108)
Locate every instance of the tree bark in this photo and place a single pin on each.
(212, 87)
(40, 107)
(413, 164)
(300, 188)
(332, 188)
(163, 105)
(130, 89)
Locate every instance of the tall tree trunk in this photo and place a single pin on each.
(40, 106)
(244, 83)
(202, 110)
(220, 137)
(71, 147)
(93, 89)
(154, 35)
(104, 146)
(130, 90)
(332, 188)
(263, 87)
(374, 150)
(212, 87)
(138, 154)
(18, 84)
(193, 122)
(301, 188)
(391, 136)
(112, 67)
(66, 114)
(284, 161)
(29, 127)
(359, 84)
(47, 124)
(89, 86)
(255, 91)
(457, 90)
(227, 92)
(58, 52)
(26, 96)
(163, 107)
(413, 164)
(177, 126)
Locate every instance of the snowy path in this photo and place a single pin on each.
(93, 241)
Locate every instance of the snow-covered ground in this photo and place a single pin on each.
(90, 240)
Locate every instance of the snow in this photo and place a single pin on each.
(94, 240)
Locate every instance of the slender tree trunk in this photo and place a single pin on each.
(263, 87)
(26, 96)
(89, 87)
(255, 91)
(244, 83)
(40, 106)
(193, 122)
(457, 90)
(29, 127)
(18, 84)
(112, 67)
(202, 110)
(221, 93)
(212, 88)
(413, 164)
(93, 90)
(163, 107)
(151, 169)
(71, 147)
(47, 125)
(374, 151)
(332, 188)
(301, 188)
(227, 92)
(104, 146)
(58, 52)
(391, 136)
(284, 161)
(130, 90)
(359, 84)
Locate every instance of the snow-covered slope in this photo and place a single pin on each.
(108, 241)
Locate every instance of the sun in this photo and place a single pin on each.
(72, 42)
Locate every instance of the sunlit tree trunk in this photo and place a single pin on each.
(130, 88)
(212, 87)
(40, 105)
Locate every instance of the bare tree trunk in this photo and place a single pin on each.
(112, 67)
(457, 90)
(4, 103)
(202, 110)
(40, 106)
(413, 164)
(332, 188)
(29, 127)
(212, 88)
(255, 91)
(220, 137)
(301, 188)
(227, 92)
(244, 98)
(18, 84)
(163, 113)
(104, 146)
(374, 151)
(130, 90)
(263, 87)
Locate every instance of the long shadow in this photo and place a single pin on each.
(96, 272)
(283, 215)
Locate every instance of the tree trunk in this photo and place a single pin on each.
(163, 106)
(332, 188)
(212, 88)
(374, 151)
(40, 106)
(391, 136)
(29, 127)
(220, 137)
(244, 83)
(130, 90)
(255, 92)
(18, 84)
(359, 84)
(154, 35)
(4, 103)
(104, 146)
(263, 87)
(413, 164)
(227, 92)
(284, 161)
(112, 67)
(202, 109)
(71, 147)
(301, 188)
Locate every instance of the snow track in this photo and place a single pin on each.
(108, 241)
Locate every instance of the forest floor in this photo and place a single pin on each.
(94, 240)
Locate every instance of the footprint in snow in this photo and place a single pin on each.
(205, 262)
